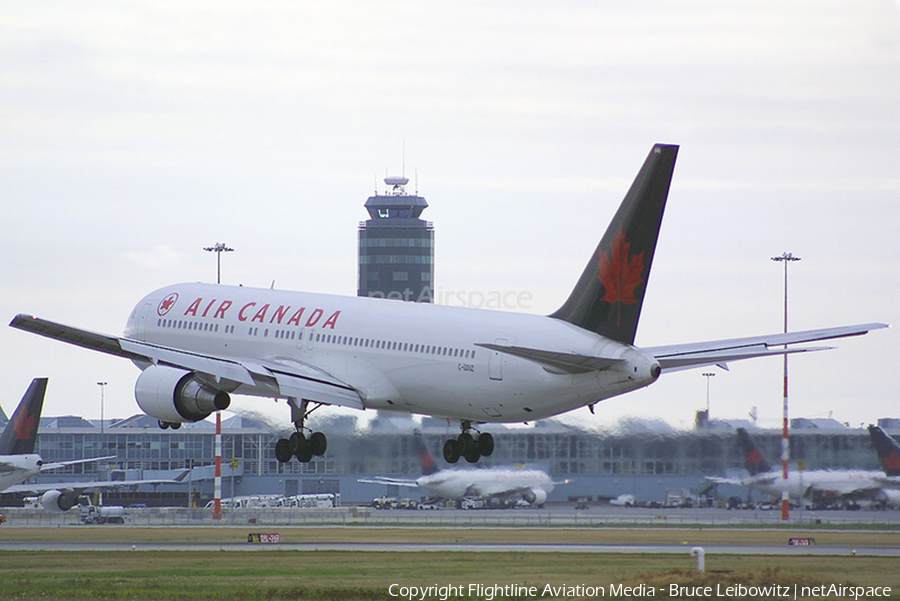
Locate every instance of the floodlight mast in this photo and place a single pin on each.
(219, 248)
(785, 258)
(102, 386)
(707, 375)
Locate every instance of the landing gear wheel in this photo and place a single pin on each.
(318, 443)
(485, 444)
(304, 452)
(283, 451)
(466, 443)
(451, 451)
(297, 440)
(472, 454)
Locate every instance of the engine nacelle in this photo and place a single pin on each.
(175, 395)
(58, 501)
(535, 496)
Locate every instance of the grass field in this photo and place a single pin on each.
(284, 574)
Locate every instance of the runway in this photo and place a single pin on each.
(709, 549)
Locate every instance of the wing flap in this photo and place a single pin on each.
(218, 368)
(556, 361)
(304, 381)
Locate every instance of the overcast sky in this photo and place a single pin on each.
(134, 134)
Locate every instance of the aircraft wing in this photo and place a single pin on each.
(80, 486)
(59, 464)
(286, 378)
(685, 356)
(391, 481)
(720, 480)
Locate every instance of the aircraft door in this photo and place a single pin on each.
(143, 316)
(495, 362)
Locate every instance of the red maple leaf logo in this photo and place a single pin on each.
(754, 457)
(24, 426)
(891, 461)
(166, 304)
(620, 274)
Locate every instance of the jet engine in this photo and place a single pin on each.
(59, 500)
(535, 496)
(174, 395)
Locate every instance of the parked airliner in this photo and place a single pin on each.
(503, 484)
(820, 488)
(18, 461)
(198, 343)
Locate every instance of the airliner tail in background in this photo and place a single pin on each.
(20, 433)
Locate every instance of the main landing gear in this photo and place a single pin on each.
(299, 445)
(468, 446)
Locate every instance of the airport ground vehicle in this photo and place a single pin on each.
(103, 514)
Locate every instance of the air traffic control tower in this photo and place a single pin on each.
(396, 248)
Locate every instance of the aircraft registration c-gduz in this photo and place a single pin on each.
(198, 343)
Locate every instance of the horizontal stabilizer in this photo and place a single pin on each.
(684, 356)
(555, 361)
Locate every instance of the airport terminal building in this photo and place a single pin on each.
(646, 459)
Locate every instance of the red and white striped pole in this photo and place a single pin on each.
(785, 444)
(217, 511)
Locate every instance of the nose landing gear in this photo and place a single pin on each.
(303, 447)
(468, 446)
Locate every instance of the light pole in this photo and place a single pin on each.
(219, 248)
(102, 386)
(785, 258)
(707, 375)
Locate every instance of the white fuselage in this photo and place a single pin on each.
(826, 483)
(456, 484)
(411, 357)
(18, 468)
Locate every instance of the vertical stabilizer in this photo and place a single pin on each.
(21, 432)
(888, 450)
(753, 457)
(610, 292)
(428, 465)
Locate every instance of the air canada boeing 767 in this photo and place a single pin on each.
(198, 343)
